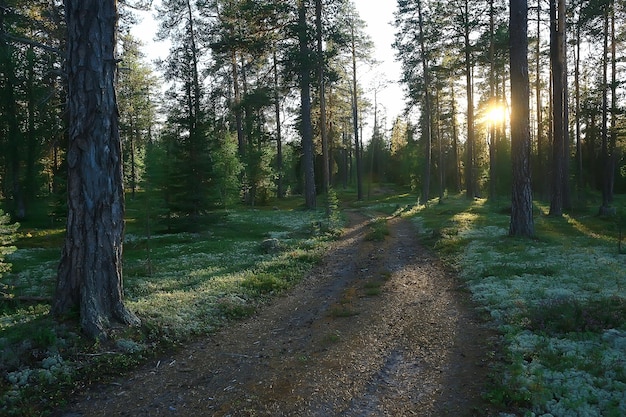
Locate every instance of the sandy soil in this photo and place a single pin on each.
(377, 329)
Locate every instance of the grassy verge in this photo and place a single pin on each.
(559, 301)
(182, 285)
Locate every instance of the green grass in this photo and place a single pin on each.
(342, 311)
(377, 230)
(571, 315)
(373, 288)
(558, 300)
(331, 338)
(181, 285)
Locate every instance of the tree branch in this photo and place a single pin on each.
(30, 42)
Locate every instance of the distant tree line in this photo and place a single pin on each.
(264, 100)
(455, 57)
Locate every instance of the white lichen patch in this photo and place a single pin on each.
(577, 374)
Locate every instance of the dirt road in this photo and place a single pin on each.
(378, 329)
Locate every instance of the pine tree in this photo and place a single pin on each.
(30, 100)
(521, 223)
(90, 272)
(187, 135)
(7, 237)
(136, 90)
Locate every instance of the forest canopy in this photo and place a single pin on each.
(229, 125)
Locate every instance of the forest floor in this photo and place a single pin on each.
(379, 328)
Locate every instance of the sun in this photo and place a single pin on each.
(495, 114)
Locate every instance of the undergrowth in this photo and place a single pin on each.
(559, 301)
(182, 285)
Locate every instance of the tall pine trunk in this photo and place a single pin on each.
(614, 107)
(427, 125)
(355, 120)
(606, 157)
(305, 109)
(579, 150)
(492, 100)
(322, 95)
(90, 272)
(455, 140)
(541, 162)
(470, 174)
(521, 223)
(279, 138)
(559, 108)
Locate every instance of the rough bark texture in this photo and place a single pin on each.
(521, 200)
(90, 272)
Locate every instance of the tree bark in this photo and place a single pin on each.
(521, 223)
(579, 150)
(606, 169)
(613, 149)
(441, 162)
(279, 138)
(305, 109)
(427, 127)
(90, 272)
(455, 140)
(541, 160)
(492, 100)
(559, 108)
(470, 177)
(322, 95)
(355, 120)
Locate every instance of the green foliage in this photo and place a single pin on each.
(135, 90)
(406, 156)
(373, 288)
(188, 176)
(334, 219)
(264, 283)
(558, 301)
(234, 308)
(7, 237)
(31, 105)
(156, 187)
(570, 315)
(378, 229)
(181, 284)
(226, 170)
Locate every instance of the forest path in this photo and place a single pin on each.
(377, 329)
